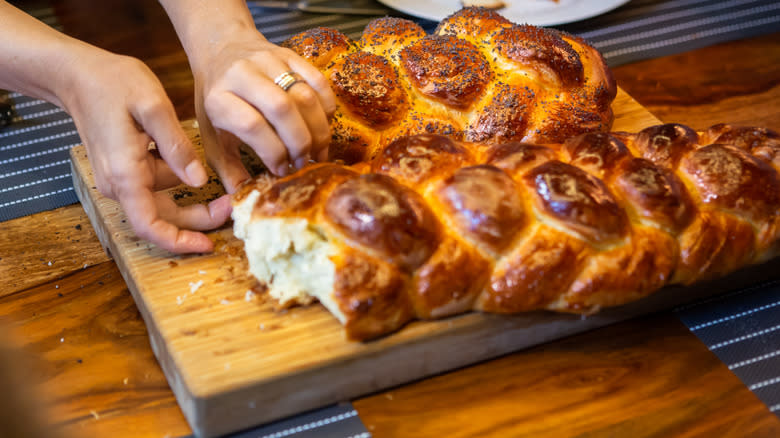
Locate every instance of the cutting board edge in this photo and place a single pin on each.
(106, 237)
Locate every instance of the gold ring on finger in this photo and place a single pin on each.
(287, 80)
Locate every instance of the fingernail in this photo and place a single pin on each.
(283, 170)
(301, 161)
(196, 173)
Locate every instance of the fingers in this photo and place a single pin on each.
(245, 122)
(316, 81)
(159, 120)
(164, 177)
(315, 118)
(327, 99)
(282, 127)
(141, 208)
(155, 217)
(194, 217)
(222, 153)
(286, 112)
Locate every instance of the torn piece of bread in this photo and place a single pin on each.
(288, 256)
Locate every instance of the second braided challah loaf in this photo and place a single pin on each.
(479, 77)
(432, 226)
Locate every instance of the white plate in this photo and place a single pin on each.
(536, 12)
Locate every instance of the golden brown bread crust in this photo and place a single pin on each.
(385, 217)
(435, 227)
(483, 177)
(478, 77)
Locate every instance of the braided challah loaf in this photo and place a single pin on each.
(432, 226)
(479, 78)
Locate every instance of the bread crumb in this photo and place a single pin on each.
(125, 381)
(225, 302)
(195, 286)
(202, 272)
(94, 414)
(248, 296)
(62, 339)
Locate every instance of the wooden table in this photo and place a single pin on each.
(65, 303)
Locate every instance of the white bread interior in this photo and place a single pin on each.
(288, 255)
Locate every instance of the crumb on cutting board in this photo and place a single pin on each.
(195, 286)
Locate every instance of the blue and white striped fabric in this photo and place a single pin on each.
(34, 160)
(337, 421)
(742, 328)
(644, 29)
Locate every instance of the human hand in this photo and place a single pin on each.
(237, 100)
(119, 108)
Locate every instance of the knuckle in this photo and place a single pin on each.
(179, 147)
(303, 145)
(260, 57)
(153, 105)
(306, 97)
(280, 105)
(213, 103)
(248, 124)
(238, 68)
(323, 139)
(318, 82)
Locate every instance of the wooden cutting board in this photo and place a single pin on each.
(233, 361)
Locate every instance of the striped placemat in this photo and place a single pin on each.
(644, 29)
(337, 421)
(34, 165)
(743, 329)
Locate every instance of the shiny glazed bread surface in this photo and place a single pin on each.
(432, 226)
(478, 77)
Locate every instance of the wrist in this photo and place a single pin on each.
(33, 56)
(79, 73)
(205, 27)
(204, 51)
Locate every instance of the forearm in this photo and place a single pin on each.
(37, 60)
(205, 26)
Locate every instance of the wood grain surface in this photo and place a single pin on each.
(646, 377)
(104, 380)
